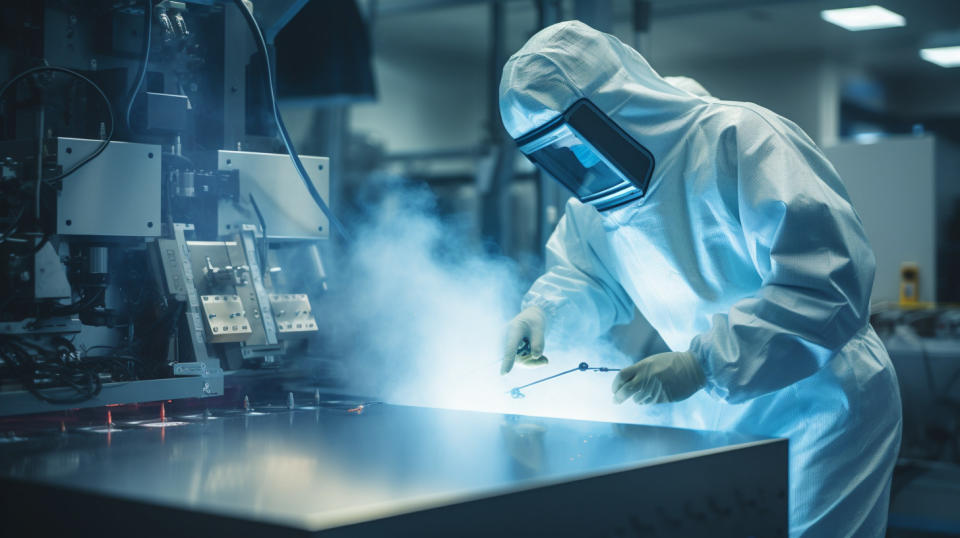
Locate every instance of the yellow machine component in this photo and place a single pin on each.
(292, 313)
(909, 284)
(226, 320)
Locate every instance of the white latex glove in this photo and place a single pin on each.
(524, 340)
(660, 378)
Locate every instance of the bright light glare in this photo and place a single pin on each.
(863, 18)
(942, 56)
(163, 424)
(103, 430)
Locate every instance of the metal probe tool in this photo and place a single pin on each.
(582, 367)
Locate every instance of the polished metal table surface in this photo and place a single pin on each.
(308, 469)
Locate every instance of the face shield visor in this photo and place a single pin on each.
(591, 155)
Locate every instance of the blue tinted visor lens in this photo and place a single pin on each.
(574, 162)
(585, 154)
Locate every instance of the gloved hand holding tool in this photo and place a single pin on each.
(524, 341)
(660, 378)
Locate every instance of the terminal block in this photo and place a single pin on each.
(293, 314)
(226, 320)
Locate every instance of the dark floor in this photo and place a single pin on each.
(925, 501)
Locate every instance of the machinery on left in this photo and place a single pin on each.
(147, 209)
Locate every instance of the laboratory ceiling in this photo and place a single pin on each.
(693, 30)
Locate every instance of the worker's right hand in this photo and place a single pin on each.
(524, 340)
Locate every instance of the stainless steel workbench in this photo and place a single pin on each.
(391, 471)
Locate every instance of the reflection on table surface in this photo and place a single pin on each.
(318, 467)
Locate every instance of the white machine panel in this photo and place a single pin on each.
(282, 197)
(116, 194)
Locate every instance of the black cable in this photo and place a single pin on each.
(100, 148)
(284, 135)
(103, 144)
(31, 251)
(142, 73)
(52, 365)
(120, 367)
(85, 302)
(43, 241)
(106, 100)
(13, 227)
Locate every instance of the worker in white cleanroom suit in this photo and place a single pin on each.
(733, 235)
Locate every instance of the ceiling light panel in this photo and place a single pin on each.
(942, 56)
(863, 18)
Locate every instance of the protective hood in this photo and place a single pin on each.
(569, 61)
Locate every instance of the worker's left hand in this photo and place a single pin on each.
(660, 378)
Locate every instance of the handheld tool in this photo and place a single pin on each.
(582, 367)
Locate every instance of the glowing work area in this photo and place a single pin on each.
(434, 268)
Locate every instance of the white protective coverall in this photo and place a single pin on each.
(746, 251)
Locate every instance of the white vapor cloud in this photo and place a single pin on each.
(419, 320)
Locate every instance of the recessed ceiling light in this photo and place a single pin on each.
(863, 18)
(942, 56)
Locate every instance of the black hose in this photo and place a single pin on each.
(142, 73)
(284, 135)
(52, 365)
(106, 100)
(84, 303)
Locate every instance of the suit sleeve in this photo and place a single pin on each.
(808, 246)
(579, 293)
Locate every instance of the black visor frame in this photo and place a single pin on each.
(631, 159)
